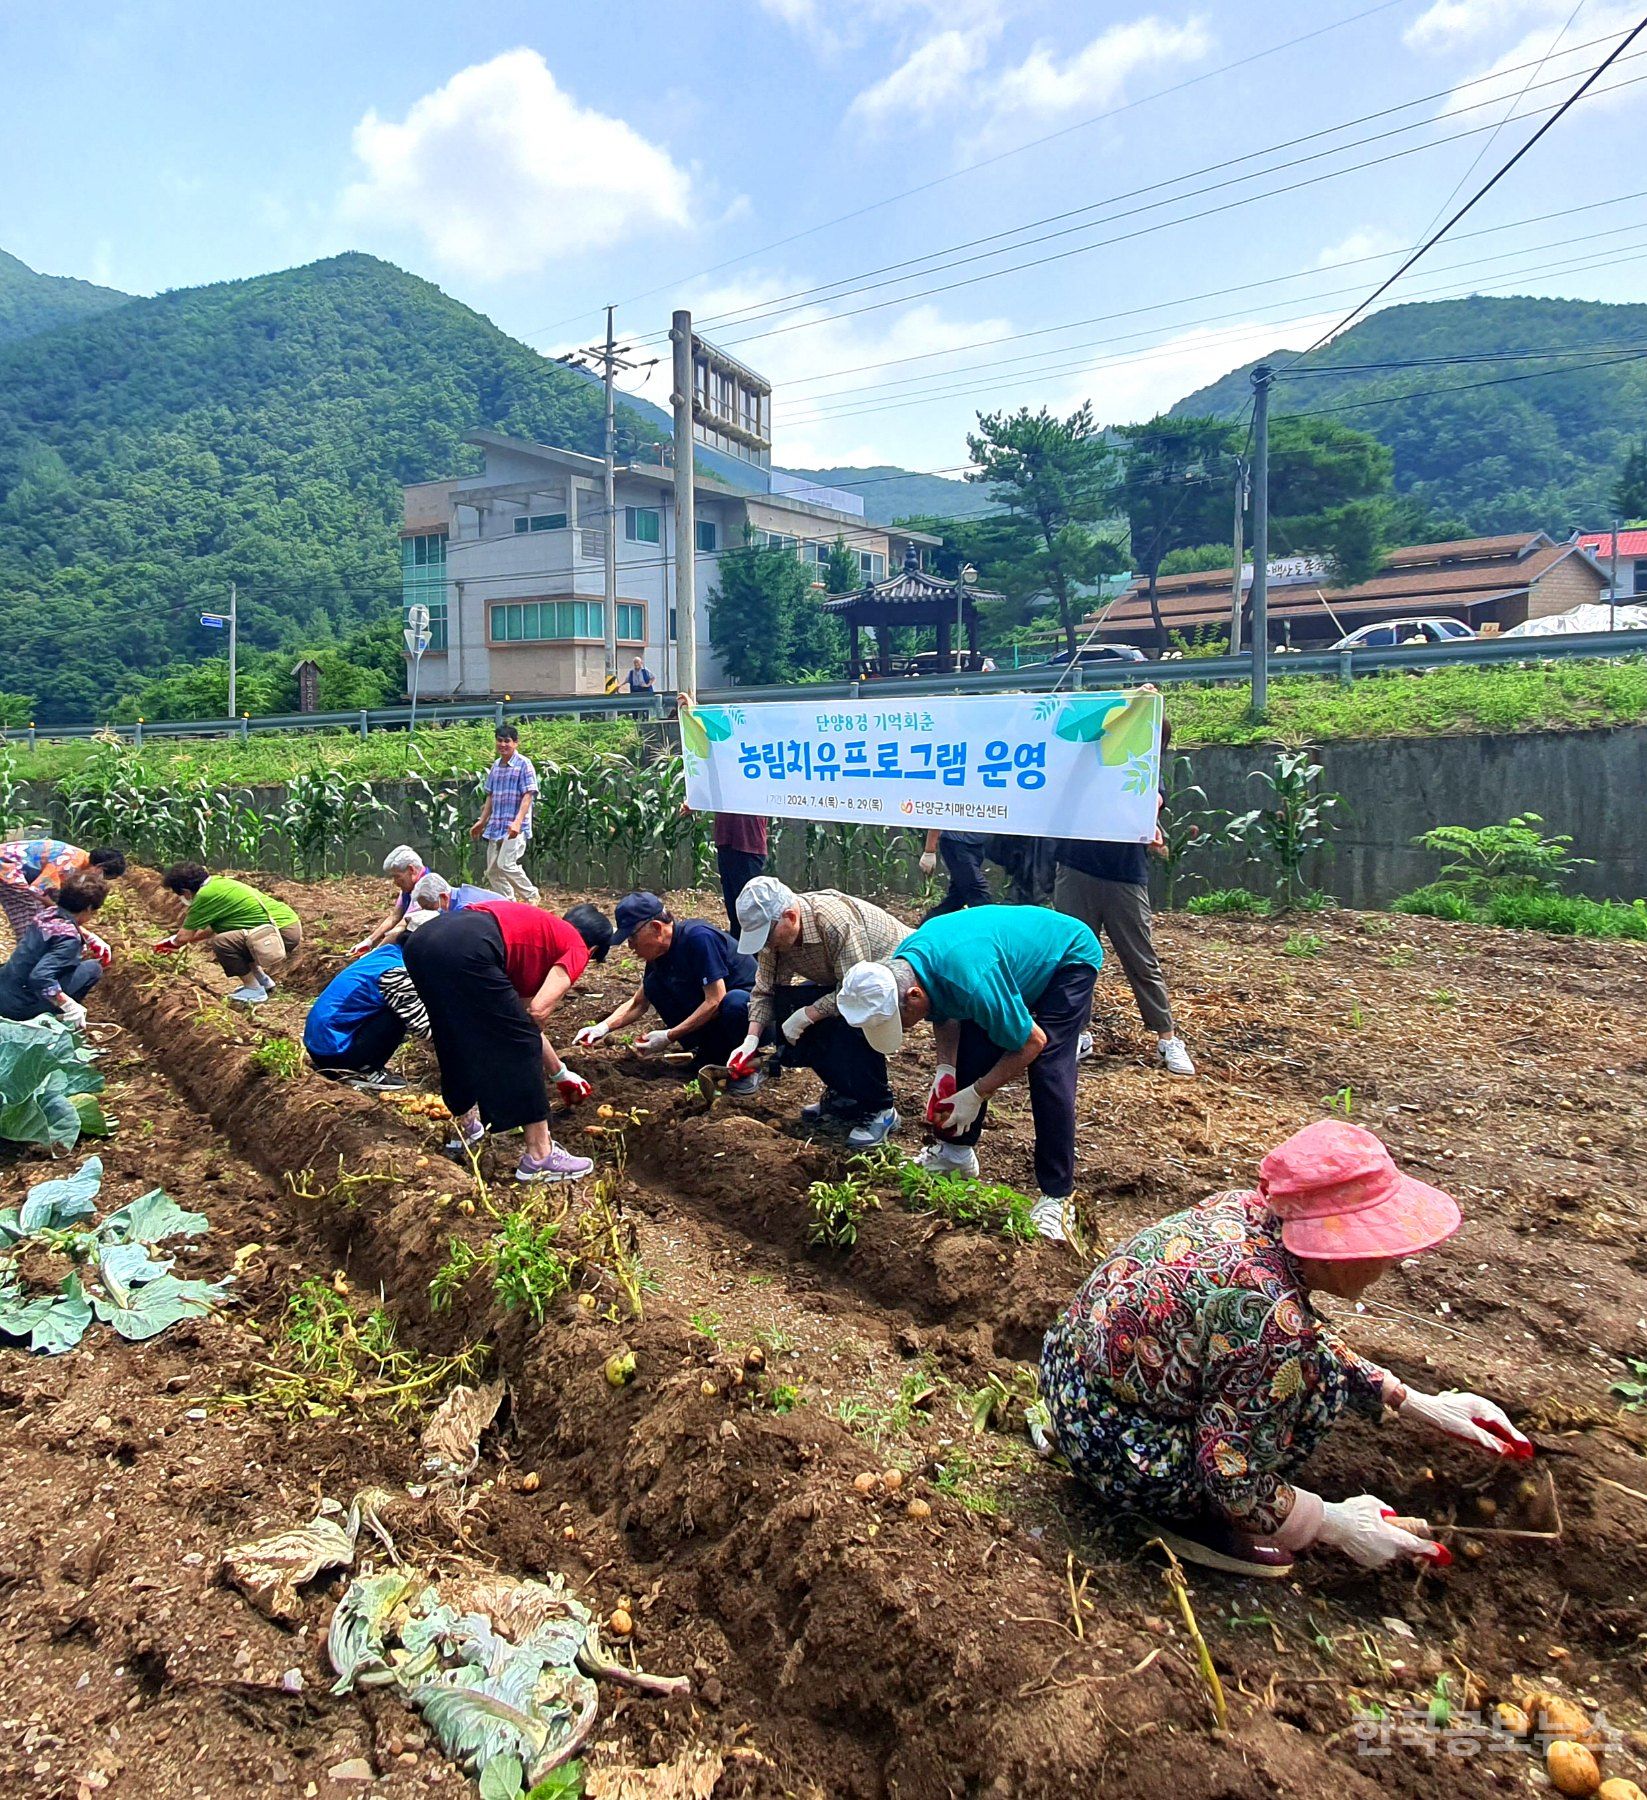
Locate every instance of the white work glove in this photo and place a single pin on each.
(652, 1043)
(742, 1060)
(590, 1036)
(72, 1013)
(798, 1022)
(929, 861)
(1365, 1529)
(98, 949)
(943, 1088)
(573, 1087)
(1468, 1418)
(957, 1113)
(361, 948)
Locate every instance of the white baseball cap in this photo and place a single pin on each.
(761, 904)
(420, 915)
(868, 998)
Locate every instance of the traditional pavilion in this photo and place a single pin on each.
(912, 597)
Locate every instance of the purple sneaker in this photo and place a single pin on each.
(469, 1133)
(558, 1165)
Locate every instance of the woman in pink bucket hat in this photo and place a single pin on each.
(1191, 1374)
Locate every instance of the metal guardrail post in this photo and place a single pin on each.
(365, 724)
(137, 735)
(31, 734)
(245, 728)
(1346, 674)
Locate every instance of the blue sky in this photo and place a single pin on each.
(539, 160)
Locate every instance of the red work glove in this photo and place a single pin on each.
(166, 946)
(742, 1060)
(97, 948)
(943, 1086)
(573, 1087)
(1470, 1419)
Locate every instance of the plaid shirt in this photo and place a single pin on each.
(836, 932)
(509, 783)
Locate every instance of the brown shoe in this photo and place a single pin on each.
(1210, 1541)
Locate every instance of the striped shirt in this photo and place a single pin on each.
(836, 932)
(509, 783)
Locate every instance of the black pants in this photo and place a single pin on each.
(738, 868)
(963, 854)
(715, 1042)
(1062, 1012)
(374, 1041)
(77, 984)
(840, 1057)
(490, 1052)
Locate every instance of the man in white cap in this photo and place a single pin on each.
(803, 945)
(1009, 991)
(405, 869)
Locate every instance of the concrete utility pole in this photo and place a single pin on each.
(1612, 592)
(1262, 377)
(686, 524)
(1242, 474)
(234, 645)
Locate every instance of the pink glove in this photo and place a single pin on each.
(943, 1085)
(1367, 1531)
(742, 1060)
(1468, 1418)
(573, 1087)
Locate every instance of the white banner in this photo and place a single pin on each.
(1031, 765)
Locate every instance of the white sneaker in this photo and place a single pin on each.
(1047, 1216)
(949, 1159)
(1175, 1056)
(1084, 1047)
(249, 995)
(264, 980)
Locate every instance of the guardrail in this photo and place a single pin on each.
(1346, 665)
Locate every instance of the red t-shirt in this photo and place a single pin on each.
(534, 942)
(740, 831)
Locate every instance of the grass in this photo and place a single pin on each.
(1230, 900)
(1317, 709)
(1561, 915)
(435, 753)
(1303, 943)
(280, 1057)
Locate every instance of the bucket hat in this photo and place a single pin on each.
(1340, 1197)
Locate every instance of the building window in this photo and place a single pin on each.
(631, 623)
(423, 580)
(540, 522)
(641, 524)
(1641, 578)
(708, 536)
(546, 621)
(674, 626)
(872, 565)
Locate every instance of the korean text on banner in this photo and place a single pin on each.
(1031, 765)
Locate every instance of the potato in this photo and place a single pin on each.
(864, 1483)
(1572, 1768)
(918, 1509)
(620, 1624)
(1556, 1713)
(620, 1368)
(1512, 1719)
(1619, 1789)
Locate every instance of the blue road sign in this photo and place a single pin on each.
(213, 621)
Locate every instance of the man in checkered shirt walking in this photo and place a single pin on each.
(505, 822)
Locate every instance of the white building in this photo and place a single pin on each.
(511, 564)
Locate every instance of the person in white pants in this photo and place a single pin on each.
(505, 822)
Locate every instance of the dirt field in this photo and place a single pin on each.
(1008, 1643)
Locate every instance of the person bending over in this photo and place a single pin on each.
(250, 934)
(56, 962)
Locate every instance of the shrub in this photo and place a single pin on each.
(1501, 859)
(1230, 900)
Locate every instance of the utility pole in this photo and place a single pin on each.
(686, 527)
(1612, 591)
(234, 645)
(1242, 474)
(1262, 377)
(608, 360)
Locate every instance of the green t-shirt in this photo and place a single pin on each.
(225, 905)
(990, 964)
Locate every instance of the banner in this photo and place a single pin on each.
(1030, 765)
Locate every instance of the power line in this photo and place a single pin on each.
(1487, 186)
(989, 161)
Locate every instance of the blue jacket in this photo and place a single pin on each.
(349, 1000)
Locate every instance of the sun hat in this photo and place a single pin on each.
(868, 998)
(635, 910)
(761, 904)
(421, 915)
(1341, 1198)
(403, 856)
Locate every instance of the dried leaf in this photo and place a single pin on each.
(269, 1570)
(690, 1776)
(451, 1440)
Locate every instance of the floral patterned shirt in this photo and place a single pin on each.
(1204, 1318)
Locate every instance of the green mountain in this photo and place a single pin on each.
(1500, 445)
(31, 302)
(890, 493)
(257, 431)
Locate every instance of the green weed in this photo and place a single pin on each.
(982, 1206)
(837, 1207)
(784, 1398)
(706, 1325)
(1230, 900)
(1303, 943)
(1633, 1391)
(1342, 1102)
(280, 1057)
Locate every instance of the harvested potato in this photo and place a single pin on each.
(1572, 1768)
(1512, 1719)
(864, 1483)
(1619, 1789)
(620, 1624)
(1556, 1713)
(918, 1509)
(620, 1368)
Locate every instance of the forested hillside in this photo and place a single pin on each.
(890, 493)
(1503, 445)
(31, 302)
(255, 430)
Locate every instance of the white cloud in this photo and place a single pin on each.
(500, 170)
(1359, 245)
(1544, 41)
(1044, 86)
(930, 79)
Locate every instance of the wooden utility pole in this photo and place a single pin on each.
(1242, 472)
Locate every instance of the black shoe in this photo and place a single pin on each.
(1212, 1542)
(377, 1081)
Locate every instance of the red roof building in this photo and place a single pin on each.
(1632, 559)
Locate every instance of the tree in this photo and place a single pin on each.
(15, 710)
(841, 572)
(1331, 495)
(760, 612)
(1176, 488)
(1629, 495)
(1052, 477)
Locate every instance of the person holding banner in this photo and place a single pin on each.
(963, 854)
(1009, 991)
(694, 978)
(804, 944)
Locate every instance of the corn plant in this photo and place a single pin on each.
(1295, 821)
(322, 813)
(16, 814)
(439, 814)
(1189, 827)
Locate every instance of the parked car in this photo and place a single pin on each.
(1395, 633)
(1090, 654)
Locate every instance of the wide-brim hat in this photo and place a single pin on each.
(1341, 1198)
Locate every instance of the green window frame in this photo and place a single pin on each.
(631, 622)
(642, 524)
(547, 621)
(540, 522)
(708, 535)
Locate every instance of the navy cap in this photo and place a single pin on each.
(635, 910)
